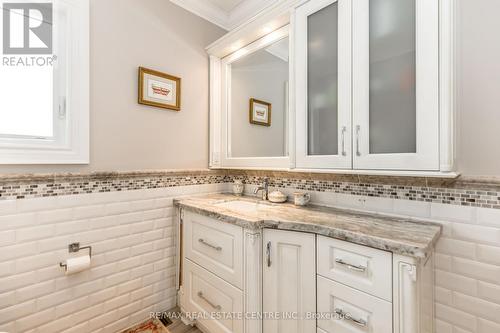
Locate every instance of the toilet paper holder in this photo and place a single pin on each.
(74, 248)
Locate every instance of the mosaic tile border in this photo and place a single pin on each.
(464, 191)
(474, 192)
(39, 186)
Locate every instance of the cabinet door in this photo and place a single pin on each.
(289, 281)
(396, 84)
(323, 84)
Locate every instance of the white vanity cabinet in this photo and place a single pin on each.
(217, 247)
(289, 284)
(359, 267)
(221, 274)
(356, 282)
(276, 281)
(212, 272)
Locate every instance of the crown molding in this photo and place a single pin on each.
(246, 10)
(207, 10)
(226, 20)
(273, 17)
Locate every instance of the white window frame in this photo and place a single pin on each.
(70, 144)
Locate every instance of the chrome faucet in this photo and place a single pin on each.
(264, 188)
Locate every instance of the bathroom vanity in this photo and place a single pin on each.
(251, 266)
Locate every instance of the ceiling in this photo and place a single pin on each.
(228, 14)
(226, 5)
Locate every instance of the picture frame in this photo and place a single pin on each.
(260, 112)
(159, 89)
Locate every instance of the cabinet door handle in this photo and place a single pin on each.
(344, 130)
(268, 254)
(215, 247)
(216, 307)
(359, 322)
(358, 151)
(357, 268)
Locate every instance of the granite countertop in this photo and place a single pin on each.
(400, 236)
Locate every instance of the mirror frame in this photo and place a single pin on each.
(222, 125)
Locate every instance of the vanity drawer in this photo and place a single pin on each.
(212, 297)
(362, 312)
(356, 266)
(214, 245)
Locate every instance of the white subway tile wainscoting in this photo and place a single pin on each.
(132, 273)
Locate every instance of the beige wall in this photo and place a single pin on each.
(478, 146)
(126, 34)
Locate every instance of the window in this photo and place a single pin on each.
(44, 82)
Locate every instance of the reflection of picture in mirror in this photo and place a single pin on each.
(261, 75)
(260, 112)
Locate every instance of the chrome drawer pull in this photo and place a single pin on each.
(216, 248)
(343, 315)
(216, 307)
(351, 266)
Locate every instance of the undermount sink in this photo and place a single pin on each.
(242, 206)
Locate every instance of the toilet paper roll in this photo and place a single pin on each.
(77, 264)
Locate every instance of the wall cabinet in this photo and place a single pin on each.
(367, 84)
(273, 281)
(371, 86)
(323, 84)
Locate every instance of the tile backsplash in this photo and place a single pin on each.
(37, 186)
(413, 189)
(463, 192)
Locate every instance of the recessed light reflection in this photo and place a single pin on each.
(267, 29)
(240, 53)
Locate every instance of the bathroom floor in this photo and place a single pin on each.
(179, 327)
(155, 326)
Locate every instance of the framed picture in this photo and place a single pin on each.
(260, 112)
(159, 89)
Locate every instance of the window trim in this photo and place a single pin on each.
(73, 148)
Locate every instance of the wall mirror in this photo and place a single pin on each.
(256, 103)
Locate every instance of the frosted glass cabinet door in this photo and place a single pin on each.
(395, 80)
(323, 84)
